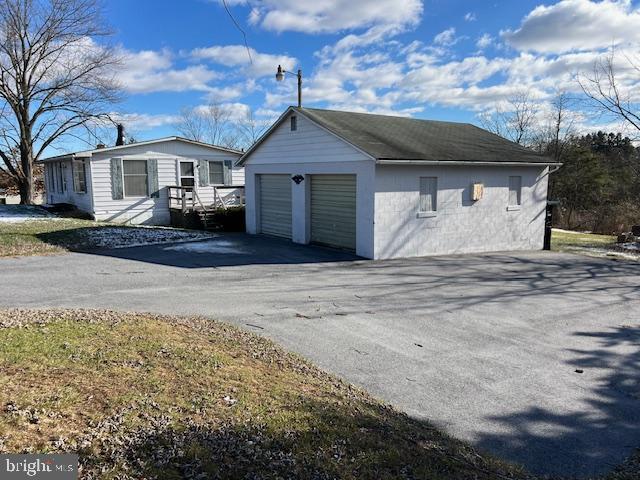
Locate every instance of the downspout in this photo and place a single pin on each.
(548, 217)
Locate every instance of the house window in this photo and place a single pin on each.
(216, 173)
(515, 189)
(294, 123)
(79, 176)
(48, 170)
(187, 174)
(136, 181)
(62, 182)
(428, 194)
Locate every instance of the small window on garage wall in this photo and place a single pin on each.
(515, 191)
(428, 194)
(294, 123)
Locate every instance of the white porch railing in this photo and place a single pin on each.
(187, 198)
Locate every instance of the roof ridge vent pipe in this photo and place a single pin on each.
(120, 139)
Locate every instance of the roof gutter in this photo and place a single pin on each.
(60, 158)
(466, 162)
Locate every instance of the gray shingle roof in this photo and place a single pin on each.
(397, 138)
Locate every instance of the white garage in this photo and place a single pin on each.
(387, 187)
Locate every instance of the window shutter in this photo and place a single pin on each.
(203, 173)
(152, 172)
(228, 165)
(116, 179)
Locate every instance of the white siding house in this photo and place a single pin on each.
(387, 187)
(129, 183)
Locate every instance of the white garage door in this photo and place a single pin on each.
(275, 205)
(333, 210)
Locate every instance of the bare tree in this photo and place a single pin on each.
(211, 124)
(251, 129)
(556, 127)
(560, 126)
(55, 78)
(610, 94)
(515, 121)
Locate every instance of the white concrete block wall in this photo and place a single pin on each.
(460, 225)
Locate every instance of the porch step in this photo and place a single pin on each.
(207, 219)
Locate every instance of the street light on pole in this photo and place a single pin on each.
(280, 77)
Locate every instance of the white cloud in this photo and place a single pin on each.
(371, 36)
(223, 94)
(153, 71)
(446, 37)
(267, 113)
(470, 17)
(313, 16)
(372, 70)
(576, 25)
(143, 121)
(259, 65)
(484, 41)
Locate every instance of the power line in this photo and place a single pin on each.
(244, 35)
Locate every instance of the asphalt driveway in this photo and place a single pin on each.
(533, 356)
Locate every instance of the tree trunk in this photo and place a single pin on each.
(25, 182)
(25, 187)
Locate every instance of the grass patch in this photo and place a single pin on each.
(562, 240)
(147, 396)
(590, 244)
(164, 397)
(56, 235)
(42, 237)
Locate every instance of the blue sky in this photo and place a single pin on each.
(438, 59)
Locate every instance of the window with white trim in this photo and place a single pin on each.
(79, 176)
(136, 178)
(294, 123)
(428, 194)
(187, 174)
(216, 173)
(515, 191)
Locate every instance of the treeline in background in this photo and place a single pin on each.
(598, 185)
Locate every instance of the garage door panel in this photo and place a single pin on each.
(333, 210)
(275, 205)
